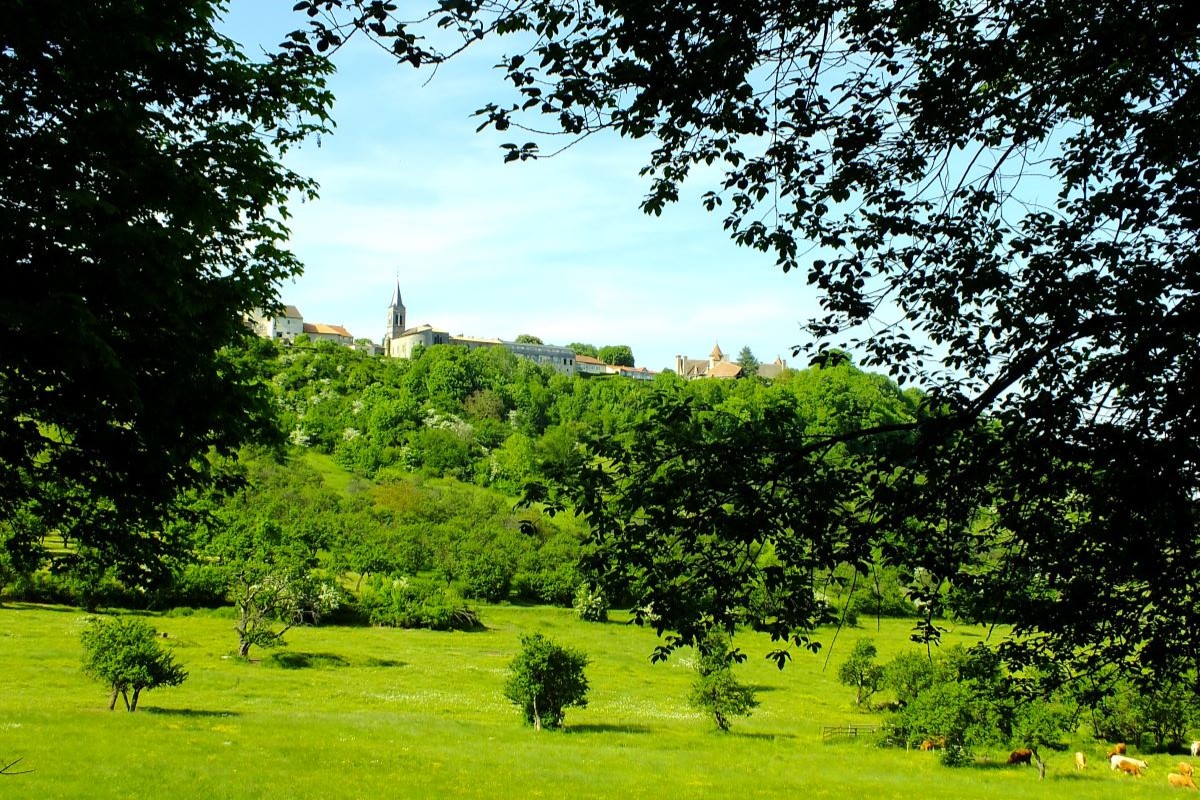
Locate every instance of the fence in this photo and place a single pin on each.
(849, 731)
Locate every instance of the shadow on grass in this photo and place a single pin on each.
(989, 766)
(295, 660)
(605, 728)
(188, 712)
(383, 662)
(24, 605)
(762, 688)
(766, 737)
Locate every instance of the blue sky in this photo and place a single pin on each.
(555, 247)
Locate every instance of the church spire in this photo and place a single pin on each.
(396, 323)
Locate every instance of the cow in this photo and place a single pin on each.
(1118, 749)
(1195, 749)
(927, 745)
(1185, 769)
(1116, 761)
(1080, 761)
(1181, 781)
(1130, 768)
(1022, 756)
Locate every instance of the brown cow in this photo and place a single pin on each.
(1117, 750)
(1185, 769)
(1080, 761)
(927, 745)
(1022, 756)
(1181, 781)
(1129, 768)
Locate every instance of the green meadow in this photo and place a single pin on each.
(356, 712)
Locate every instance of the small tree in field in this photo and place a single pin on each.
(861, 671)
(125, 653)
(545, 679)
(1040, 724)
(715, 690)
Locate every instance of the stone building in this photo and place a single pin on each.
(399, 341)
(319, 331)
(290, 324)
(718, 365)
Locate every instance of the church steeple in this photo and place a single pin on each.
(396, 323)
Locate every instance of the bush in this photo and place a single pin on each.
(555, 586)
(196, 586)
(545, 679)
(125, 654)
(415, 603)
(956, 755)
(71, 588)
(869, 602)
(590, 604)
(487, 576)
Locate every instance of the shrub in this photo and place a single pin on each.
(196, 586)
(415, 603)
(555, 585)
(545, 679)
(870, 602)
(486, 576)
(125, 654)
(590, 604)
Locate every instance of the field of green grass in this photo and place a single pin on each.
(379, 713)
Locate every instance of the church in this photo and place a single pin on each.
(399, 341)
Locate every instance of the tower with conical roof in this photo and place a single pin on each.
(396, 322)
(716, 356)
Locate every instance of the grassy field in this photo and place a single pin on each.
(375, 713)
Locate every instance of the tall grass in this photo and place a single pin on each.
(378, 713)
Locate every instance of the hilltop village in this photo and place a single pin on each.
(400, 341)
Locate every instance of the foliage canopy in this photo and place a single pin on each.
(143, 211)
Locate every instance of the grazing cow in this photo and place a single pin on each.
(1118, 749)
(1080, 761)
(927, 745)
(1117, 761)
(1130, 768)
(1181, 781)
(1022, 756)
(1185, 769)
(1195, 749)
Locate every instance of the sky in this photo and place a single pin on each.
(556, 247)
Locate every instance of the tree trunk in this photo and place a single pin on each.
(537, 718)
(1041, 765)
(243, 646)
(112, 701)
(125, 697)
(133, 705)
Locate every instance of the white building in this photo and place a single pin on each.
(284, 328)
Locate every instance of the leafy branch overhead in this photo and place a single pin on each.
(996, 201)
